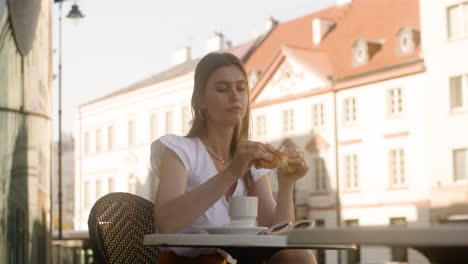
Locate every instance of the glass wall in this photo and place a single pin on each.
(25, 131)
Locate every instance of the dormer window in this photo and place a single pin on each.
(407, 40)
(360, 55)
(320, 28)
(363, 50)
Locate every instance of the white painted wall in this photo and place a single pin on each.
(446, 129)
(371, 127)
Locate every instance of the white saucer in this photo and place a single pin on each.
(235, 230)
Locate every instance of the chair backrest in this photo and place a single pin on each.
(117, 224)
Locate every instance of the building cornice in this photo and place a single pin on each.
(288, 98)
(136, 95)
(383, 74)
(396, 135)
(378, 75)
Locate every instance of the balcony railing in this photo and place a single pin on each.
(73, 248)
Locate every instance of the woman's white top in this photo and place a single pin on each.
(200, 168)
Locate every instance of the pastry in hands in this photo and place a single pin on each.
(280, 160)
(291, 167)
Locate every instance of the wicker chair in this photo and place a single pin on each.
(117, 223)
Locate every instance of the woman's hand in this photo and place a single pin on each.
(246, 152)
(295, 159)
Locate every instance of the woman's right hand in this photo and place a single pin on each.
(246, 152)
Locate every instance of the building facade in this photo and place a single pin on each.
(445, 41)
(363, 91)
(115, 136)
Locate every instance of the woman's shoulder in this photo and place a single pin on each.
(171, 140)
(178, 139)
(184, 147)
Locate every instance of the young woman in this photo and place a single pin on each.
(199, 172)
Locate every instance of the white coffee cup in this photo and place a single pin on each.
(243, 210)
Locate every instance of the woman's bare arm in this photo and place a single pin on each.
(266, 202)
(284, 211)
(271, 212)
(175, 208)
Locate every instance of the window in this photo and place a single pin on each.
(318, 115)
(351, 173)
(319, 174)
(353, 256)
(459, 91)
(99, 189)
(395, 102)
(131, 132)
(397, 167)
(405, 44)
(260, 125)
(349, 111)
(399, 254)
(457, 21)
(288, 121)
(319, 223)
(110, 137)
(87, 195)
(86, 143)
(132, 183)
(460, 164)
(98, 140)
(364, 50)
(352, 223)
(168, 122)
(301, 211)
(111, 184)
(153, 126)
(360, 53)
(407, 40)
(186, 119)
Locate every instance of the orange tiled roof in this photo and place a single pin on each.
(242, 50)
(374, 20)
(316, 59)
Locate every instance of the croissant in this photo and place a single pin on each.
(280, 160)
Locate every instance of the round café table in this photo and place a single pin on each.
(244, 248)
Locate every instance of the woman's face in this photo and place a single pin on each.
(226, 96)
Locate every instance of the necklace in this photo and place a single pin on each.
(218, 158)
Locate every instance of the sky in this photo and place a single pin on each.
(117, 43)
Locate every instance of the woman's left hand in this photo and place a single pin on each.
(296, 159)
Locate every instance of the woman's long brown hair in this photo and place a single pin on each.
(207, 65)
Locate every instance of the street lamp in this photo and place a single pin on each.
(74, 13)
